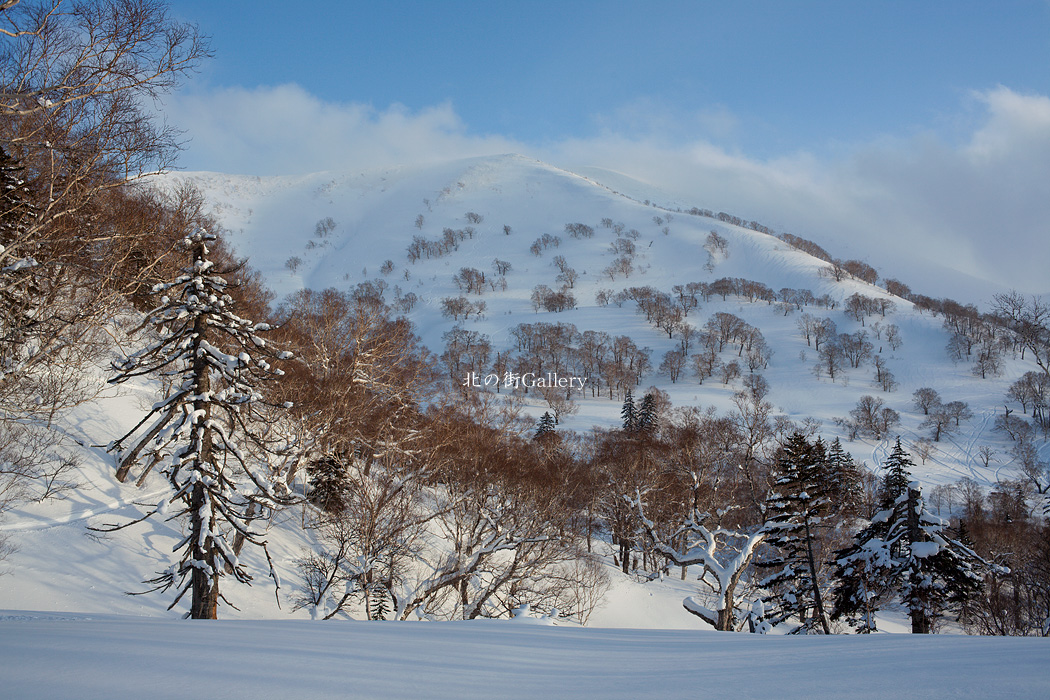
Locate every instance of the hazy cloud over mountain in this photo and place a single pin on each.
(284, 130)
(977, 204)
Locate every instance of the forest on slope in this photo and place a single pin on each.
(346, 410)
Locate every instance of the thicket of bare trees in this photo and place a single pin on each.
(1003, 528)
(466, 519)
(1028, 321)
(77, 242)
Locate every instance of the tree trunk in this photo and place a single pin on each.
(203, 552)
(239, 539)
(920, 623)
(919, 608)
(725, 615)
(818, 600)
(205, 583)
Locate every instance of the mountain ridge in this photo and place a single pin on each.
(374, 215)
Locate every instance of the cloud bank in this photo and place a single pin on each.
(941, 215)
(284, 130)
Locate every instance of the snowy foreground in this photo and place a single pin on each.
(54, 655)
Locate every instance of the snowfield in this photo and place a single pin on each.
(51, 656)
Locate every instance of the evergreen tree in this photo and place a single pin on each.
(865, 571)
(898, 475)
(19, 290)
(862, 576)
(329, 485)
(940, 572)
(629, 414)
(906, 551)
(15, 208)
(207, 427)
(14, 196)
(647, 420)
(545, 426)
(796, 507)
(843, 481)
(378, 601)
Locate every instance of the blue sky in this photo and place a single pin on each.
(939, 110)
(763, 77)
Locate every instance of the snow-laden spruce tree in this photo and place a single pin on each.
(205, 436)
(647, 421)
(796, 509)
(907, 551)
(329, 483)
(844, 481)
(545, 426)
(629, 413)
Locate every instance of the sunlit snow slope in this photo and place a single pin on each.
(272, 220)
(60, 566)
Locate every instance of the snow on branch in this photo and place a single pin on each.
(208, 433)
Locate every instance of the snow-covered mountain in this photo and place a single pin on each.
(376, 215)
(340, 229)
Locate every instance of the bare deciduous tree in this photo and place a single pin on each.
(940, 423)
(74, 82)
(76, 243)
(926, 398)
(831, 361)
(924, 448)
(672, 364)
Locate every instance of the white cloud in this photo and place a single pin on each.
(1015, 124)
(980, 209)
(285, 130)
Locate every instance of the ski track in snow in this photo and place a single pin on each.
(962, 458)
(880, 452)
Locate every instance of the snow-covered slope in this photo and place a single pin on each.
(62, 567)
(272, 220)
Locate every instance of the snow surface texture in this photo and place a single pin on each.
(50, 656)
